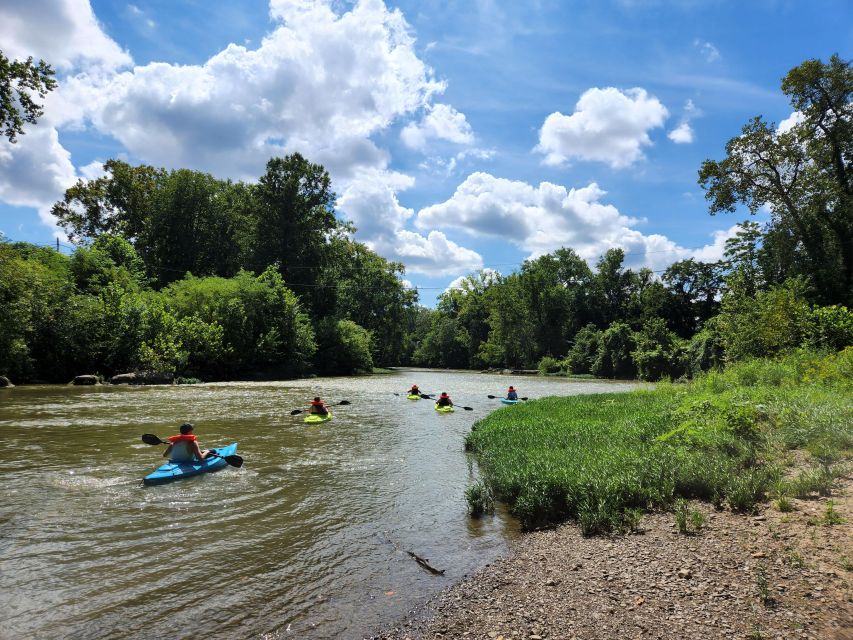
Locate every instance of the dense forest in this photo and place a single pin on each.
(181, 272)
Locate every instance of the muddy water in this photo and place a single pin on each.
(307, 540)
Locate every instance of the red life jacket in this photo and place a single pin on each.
(184, 437)
(315, 403)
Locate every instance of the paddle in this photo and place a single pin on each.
(298, 411)
(496, 398)
(461, 407)
(233, 460)
(425, 396)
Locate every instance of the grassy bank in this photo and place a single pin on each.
(730, 437)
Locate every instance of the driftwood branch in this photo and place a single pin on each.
(425, 564)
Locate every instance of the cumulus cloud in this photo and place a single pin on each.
(544, 218)
(321, 82)
(486, 276)
(683, 133)
(36, 171)
(441, 122)
(608, 125)
(371, 203)
(790, 122)
(65, 33)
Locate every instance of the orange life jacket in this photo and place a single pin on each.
(184, 437)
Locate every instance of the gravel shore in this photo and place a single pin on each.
(767, 575)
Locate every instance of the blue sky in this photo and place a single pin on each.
(459, 135)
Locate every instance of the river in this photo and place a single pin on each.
(307, 540)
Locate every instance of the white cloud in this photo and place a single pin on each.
(441, 122)
(790, 122)
(484, 276)
(371, 203)
(36, 171)
(544, 218)
(708, 50)
(714, 252)
(321, 84)
(608, 125)
(682, 134)
(65, 33)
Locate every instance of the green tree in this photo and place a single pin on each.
(695, 289)
(343, 348)
(660, 353)
(614, 359)
(17, 105)
(294, 216)
(584, 350)
(804, 175)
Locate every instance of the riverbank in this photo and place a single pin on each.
(764, 575)
(720, 508)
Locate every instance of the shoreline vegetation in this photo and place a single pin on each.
(717, 508)
(726, 437)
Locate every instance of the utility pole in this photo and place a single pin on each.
(57, 245)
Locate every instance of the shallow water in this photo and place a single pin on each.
(307, 540)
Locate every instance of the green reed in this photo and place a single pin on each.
(721, 438)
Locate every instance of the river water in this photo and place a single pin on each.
(307, 540)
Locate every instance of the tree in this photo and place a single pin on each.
(695, 288)
(804, 175)
(294, 216)
(17, 106)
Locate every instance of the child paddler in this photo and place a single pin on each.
(184, 447)
(318, 407)
(444, 400)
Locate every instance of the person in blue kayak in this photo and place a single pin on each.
(318, 407)
(184, 447)
(511, 394)
(414, 391)
(444, 400)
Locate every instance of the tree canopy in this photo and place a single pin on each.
(19, 80)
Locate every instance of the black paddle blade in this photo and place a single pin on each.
(345, 402)
(468, 408)
(524, 398)
(296, 412)
(426, 396)
(234, 461)
(150, 438)
(491, 397)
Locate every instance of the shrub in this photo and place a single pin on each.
(613, 359)
(584, 351)
(480, 499)
(549, 365)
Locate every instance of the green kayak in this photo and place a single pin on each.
(313, 418)
(446, 409)
(412, 396)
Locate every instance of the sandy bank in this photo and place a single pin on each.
(770, 575)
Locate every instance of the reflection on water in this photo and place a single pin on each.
(308, 539)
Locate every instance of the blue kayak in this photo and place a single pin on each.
(178, 470)
(505, 401)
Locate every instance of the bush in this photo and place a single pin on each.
(831, 327)
(584, 351)
(614, 354)
(343, 348)
(660, 353)
(549, 365)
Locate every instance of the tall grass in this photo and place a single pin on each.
(719, 438)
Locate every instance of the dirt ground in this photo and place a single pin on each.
(766, 575)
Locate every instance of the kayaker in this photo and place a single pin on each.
(444, 400)
(184, 447)
(511, 394)
(414, 391)
(318, 407)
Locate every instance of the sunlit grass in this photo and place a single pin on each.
(592, 458)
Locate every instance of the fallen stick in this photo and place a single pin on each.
(425, 564)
